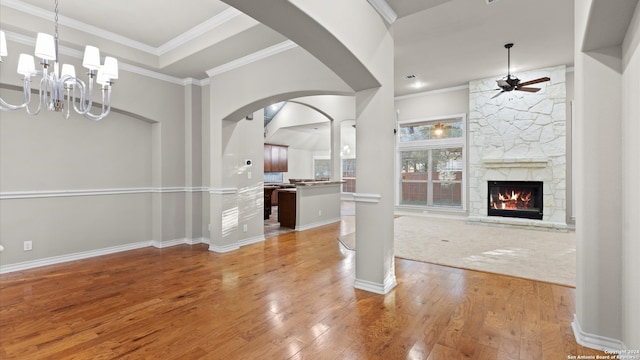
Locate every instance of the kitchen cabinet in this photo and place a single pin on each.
(276, 158)
(269, 191)
(287, 208)
(267, 158)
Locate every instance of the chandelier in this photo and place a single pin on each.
(60, 84)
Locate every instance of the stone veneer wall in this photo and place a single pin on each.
(519, 136)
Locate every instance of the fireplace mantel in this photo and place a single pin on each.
(491, 163)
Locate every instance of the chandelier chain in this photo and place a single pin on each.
(56, 19)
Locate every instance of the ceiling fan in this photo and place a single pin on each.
(512, 82)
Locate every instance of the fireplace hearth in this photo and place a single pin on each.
(518, 199)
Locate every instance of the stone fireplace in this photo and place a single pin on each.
(519, 137)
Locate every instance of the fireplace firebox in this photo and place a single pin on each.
(519, 199)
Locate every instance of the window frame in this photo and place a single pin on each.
(430, 145)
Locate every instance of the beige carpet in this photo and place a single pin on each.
(532, 254)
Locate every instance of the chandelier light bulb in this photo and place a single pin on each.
(91, 59)
(110, 67)
(68, 70)
(45, 47)
(102, 78)
(26, 65)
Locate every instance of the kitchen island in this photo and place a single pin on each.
(310, 204)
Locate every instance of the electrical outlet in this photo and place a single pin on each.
(245, 228)
(28, 246)
(249, 175)
(209, 227)
(319, 212)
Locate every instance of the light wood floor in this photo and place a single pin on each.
(291, 297)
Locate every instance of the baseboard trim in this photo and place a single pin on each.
(224, 248)
(252, 240)
(168, 243)
(72, 257)
(594, 341)
(316, 224)
(98, 252)
(200, 240)
(382, 289)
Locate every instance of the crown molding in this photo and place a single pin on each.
(383, 8)
(190, 34)
(152, 74)
(26, 40)
(256, 56)
(78, 25)
(568, 69)
(198, 30)
(192, 81)
(433, 92)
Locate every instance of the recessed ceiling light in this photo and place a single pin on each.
(409, 77)
(491, 1)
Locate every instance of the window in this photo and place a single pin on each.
(431, 157)
(431, 130)
(321, 168)
(349, 175)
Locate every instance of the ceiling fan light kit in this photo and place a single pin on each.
(55, 81)
(511, 83)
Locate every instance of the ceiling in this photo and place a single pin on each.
(444, 43)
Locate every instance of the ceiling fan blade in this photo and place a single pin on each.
(528, 89)
(498, 94)
(536, 81)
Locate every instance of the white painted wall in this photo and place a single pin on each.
(141, 144)
(50, 154)
(631, 184)
(300, 165)
(433, 103)
(317, 205)
(606, 117)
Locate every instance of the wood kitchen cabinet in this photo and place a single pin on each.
(276, 158)
(267, 158)
(287, 208)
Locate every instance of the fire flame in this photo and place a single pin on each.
(513, 201)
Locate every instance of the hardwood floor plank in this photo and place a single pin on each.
(290, 297)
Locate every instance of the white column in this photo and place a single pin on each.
(598, 175)
(375, 148)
